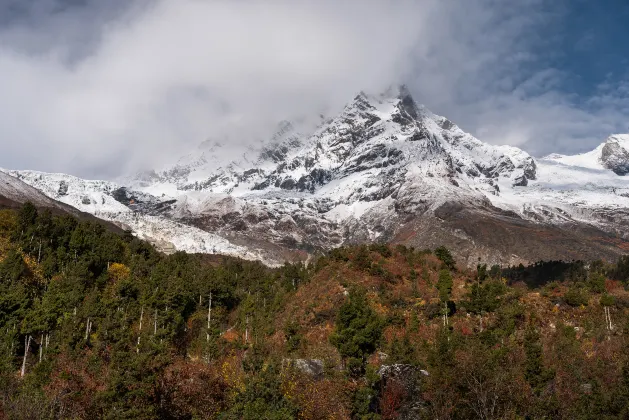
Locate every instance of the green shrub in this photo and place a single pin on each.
(576, 296)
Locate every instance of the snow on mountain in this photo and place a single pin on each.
(109, 201)
(19, 192)
(611, 155)
(384, 168)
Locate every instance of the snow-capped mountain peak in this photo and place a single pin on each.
(383, 169)
(613, 155)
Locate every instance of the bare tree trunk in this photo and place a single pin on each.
(608, 319)
(39, 254)
(247, 330)
(155, 324)
(87, 329)
(137, 347)
(209, 317)
(27, 342)
(41, 347)
(609, 314)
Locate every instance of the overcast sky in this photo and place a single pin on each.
(102, 88)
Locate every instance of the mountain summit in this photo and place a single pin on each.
(384, 169)
(613, 155)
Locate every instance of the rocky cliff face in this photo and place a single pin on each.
(615, 154)
(383, 169)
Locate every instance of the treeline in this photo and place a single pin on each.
(97, 324)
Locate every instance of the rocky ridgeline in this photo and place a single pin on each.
(384, 169)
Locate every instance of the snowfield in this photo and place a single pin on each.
(382, 157)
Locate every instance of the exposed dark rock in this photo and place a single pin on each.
(419, 134)
(288, 184)
(405, 381)
(139, 201)
(371, 120)
(615, 158)
(446, 124)
(63, 188)
(407, 103)
(530, 169)
(520, 181)
(504, 165)
(276, 154)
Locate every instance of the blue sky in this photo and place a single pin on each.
(593, 44)
(100, 88)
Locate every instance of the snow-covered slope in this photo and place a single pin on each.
(385, 169)
(15, 192)
(114, 203)
(612, 155)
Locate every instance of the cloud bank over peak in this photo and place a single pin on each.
(98, 89)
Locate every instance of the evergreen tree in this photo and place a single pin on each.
(446, 257)
(444, 285)
(358, 329)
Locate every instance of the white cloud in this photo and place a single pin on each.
(169, 73)
(98, 91)
(488, 71)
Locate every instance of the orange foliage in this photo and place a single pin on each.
(73, 385)
(317, 399)
(193, 389)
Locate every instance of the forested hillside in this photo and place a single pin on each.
(94, 324)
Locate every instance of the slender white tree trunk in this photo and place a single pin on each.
(608, 319)
(209, 318)
(247, 330)
(137, 347)
(88, 328)
(27, 347)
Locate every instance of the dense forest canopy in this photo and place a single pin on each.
(98, 324)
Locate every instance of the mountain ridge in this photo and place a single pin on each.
(384, 169)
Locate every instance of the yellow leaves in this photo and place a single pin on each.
(8, 221)
(232, 373)
(7, 224)
(118, 272)
(288, 387)
(31, 263)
